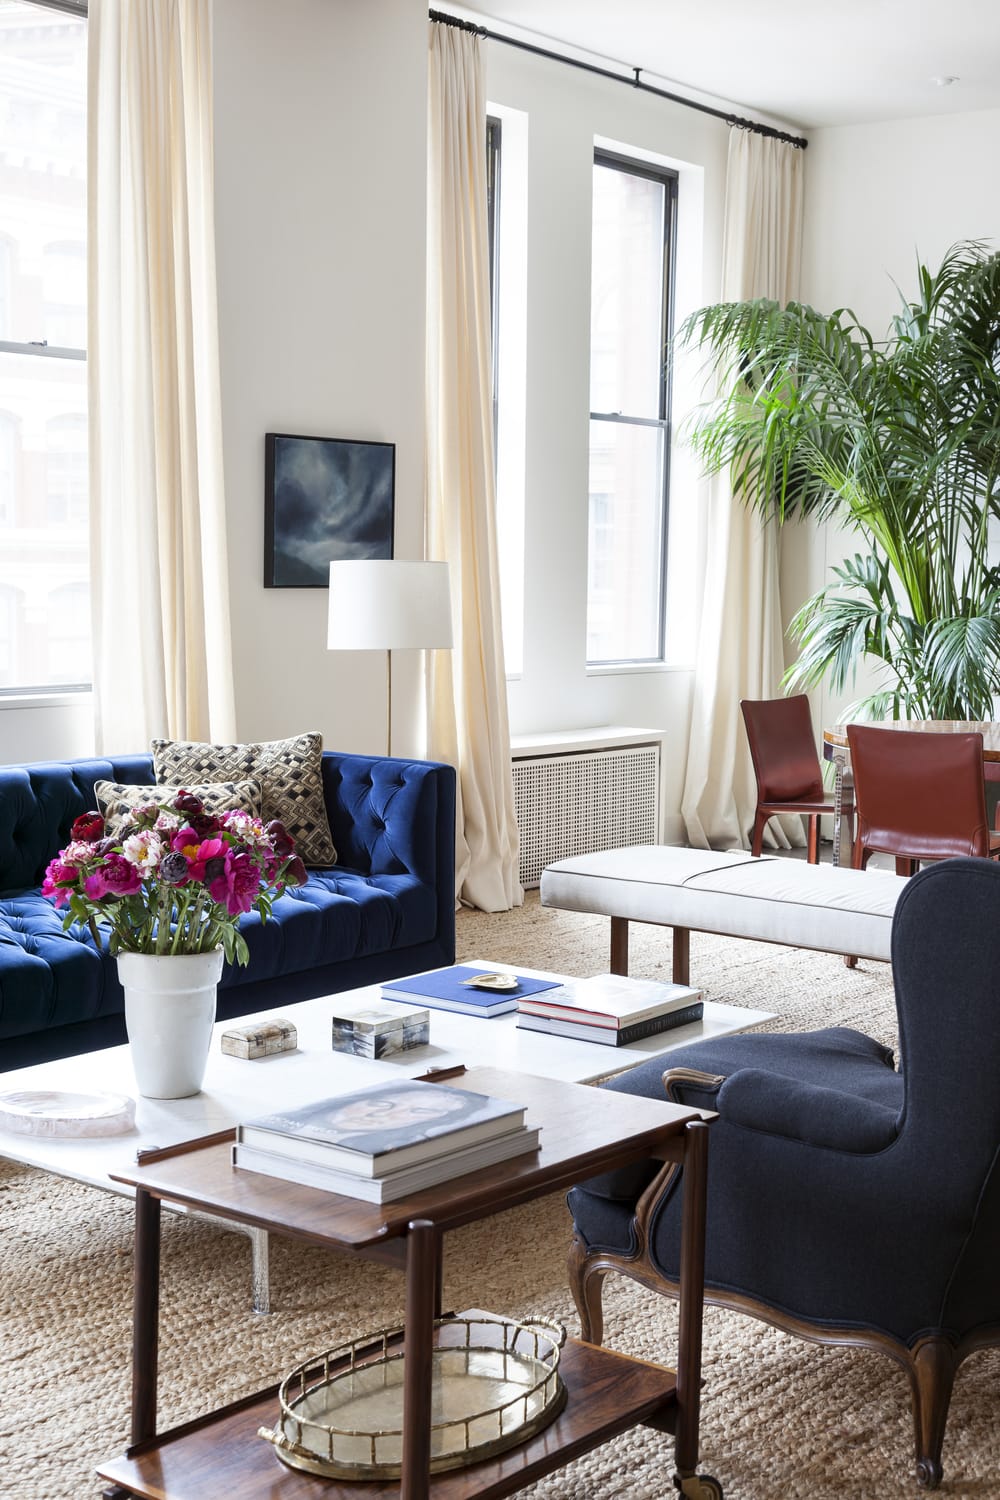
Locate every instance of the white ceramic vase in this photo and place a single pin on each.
(169, 1014)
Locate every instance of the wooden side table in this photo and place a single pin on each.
(583, 1132)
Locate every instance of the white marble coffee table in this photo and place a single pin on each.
(236, 1088)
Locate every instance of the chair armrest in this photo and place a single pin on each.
(693, 1087)
(805, 1112)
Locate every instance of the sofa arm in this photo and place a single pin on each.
(805, 1112)
(392, 817)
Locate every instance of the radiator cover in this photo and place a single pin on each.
(582, 801)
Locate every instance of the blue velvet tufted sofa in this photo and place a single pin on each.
(386, 908)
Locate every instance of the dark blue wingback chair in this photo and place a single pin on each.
(848, 1202)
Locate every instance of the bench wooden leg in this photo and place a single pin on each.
(682, 955)
(619, 945)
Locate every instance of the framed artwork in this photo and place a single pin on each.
(325, 499)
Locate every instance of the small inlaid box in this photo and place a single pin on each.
(262, 1039)
(378, 1032)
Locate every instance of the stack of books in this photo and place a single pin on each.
(386, 1141)
(611, 1009)
(464, 988)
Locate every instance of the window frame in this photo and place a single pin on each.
(41, 348)
(668, 179)
(494, 146)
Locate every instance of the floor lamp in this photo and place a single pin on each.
(388, 605)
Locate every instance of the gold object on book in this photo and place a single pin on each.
(491, 982)
(495, 1384)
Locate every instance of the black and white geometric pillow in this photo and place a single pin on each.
(118, 800)
(290, 777)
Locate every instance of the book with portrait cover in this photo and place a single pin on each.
(383, 1128)
(399, 1184)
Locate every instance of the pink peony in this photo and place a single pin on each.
(58, 877)
(238, 886)
(116, 877)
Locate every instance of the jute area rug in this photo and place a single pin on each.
(780, 1418)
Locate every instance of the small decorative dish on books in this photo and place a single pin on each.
(502, 982)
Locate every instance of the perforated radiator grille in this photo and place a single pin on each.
(584, 801)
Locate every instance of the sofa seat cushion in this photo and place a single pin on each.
(48, 977)
(338, 914)
(51, 978)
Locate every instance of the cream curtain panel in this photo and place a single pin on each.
(740, 641)
(162, 657)
(467, 690)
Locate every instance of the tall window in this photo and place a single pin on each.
(44, 558)
(634, 209)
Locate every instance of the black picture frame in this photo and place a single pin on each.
(325, 499)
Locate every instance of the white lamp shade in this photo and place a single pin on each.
(388, 605)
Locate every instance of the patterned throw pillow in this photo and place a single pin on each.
(117, 800)
(290, 776)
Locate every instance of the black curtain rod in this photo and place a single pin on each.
(633, 83)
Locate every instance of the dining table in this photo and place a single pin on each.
(837, 750)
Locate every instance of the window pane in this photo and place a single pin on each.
(626, 317)
(625, 550)
(44, 549)
(44, 561)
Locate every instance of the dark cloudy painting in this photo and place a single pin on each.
(326, 499)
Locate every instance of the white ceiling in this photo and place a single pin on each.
(814, 62)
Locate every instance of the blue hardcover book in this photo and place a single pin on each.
(449, 989)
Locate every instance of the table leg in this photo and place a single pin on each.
(145, 1315)
(260, 1268)
(423, 1259)
(691, 1296)
(619, 945)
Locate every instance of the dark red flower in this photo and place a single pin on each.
(87, 828)
(281, 840)
(188, 804)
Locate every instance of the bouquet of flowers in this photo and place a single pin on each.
(174, 879)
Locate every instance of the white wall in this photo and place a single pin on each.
(566, 110)
(320, 164)
(878, 198)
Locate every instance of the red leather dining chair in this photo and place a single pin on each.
(786, 764)
(920, 795)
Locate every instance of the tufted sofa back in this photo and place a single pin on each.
(38, 804)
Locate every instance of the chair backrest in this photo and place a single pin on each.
(919, 793)
(783, 748)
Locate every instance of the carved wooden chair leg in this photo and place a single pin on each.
(932, 1367)
(757, 837)
(586, 1282)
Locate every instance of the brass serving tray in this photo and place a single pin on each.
(496, 1383)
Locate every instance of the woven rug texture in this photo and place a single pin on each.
(780, 1418)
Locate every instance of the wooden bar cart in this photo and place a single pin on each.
(584, 1131)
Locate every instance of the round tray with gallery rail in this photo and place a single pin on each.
(496, 1383)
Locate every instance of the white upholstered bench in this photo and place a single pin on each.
(768, 899)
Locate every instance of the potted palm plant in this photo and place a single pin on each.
(898, 439)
